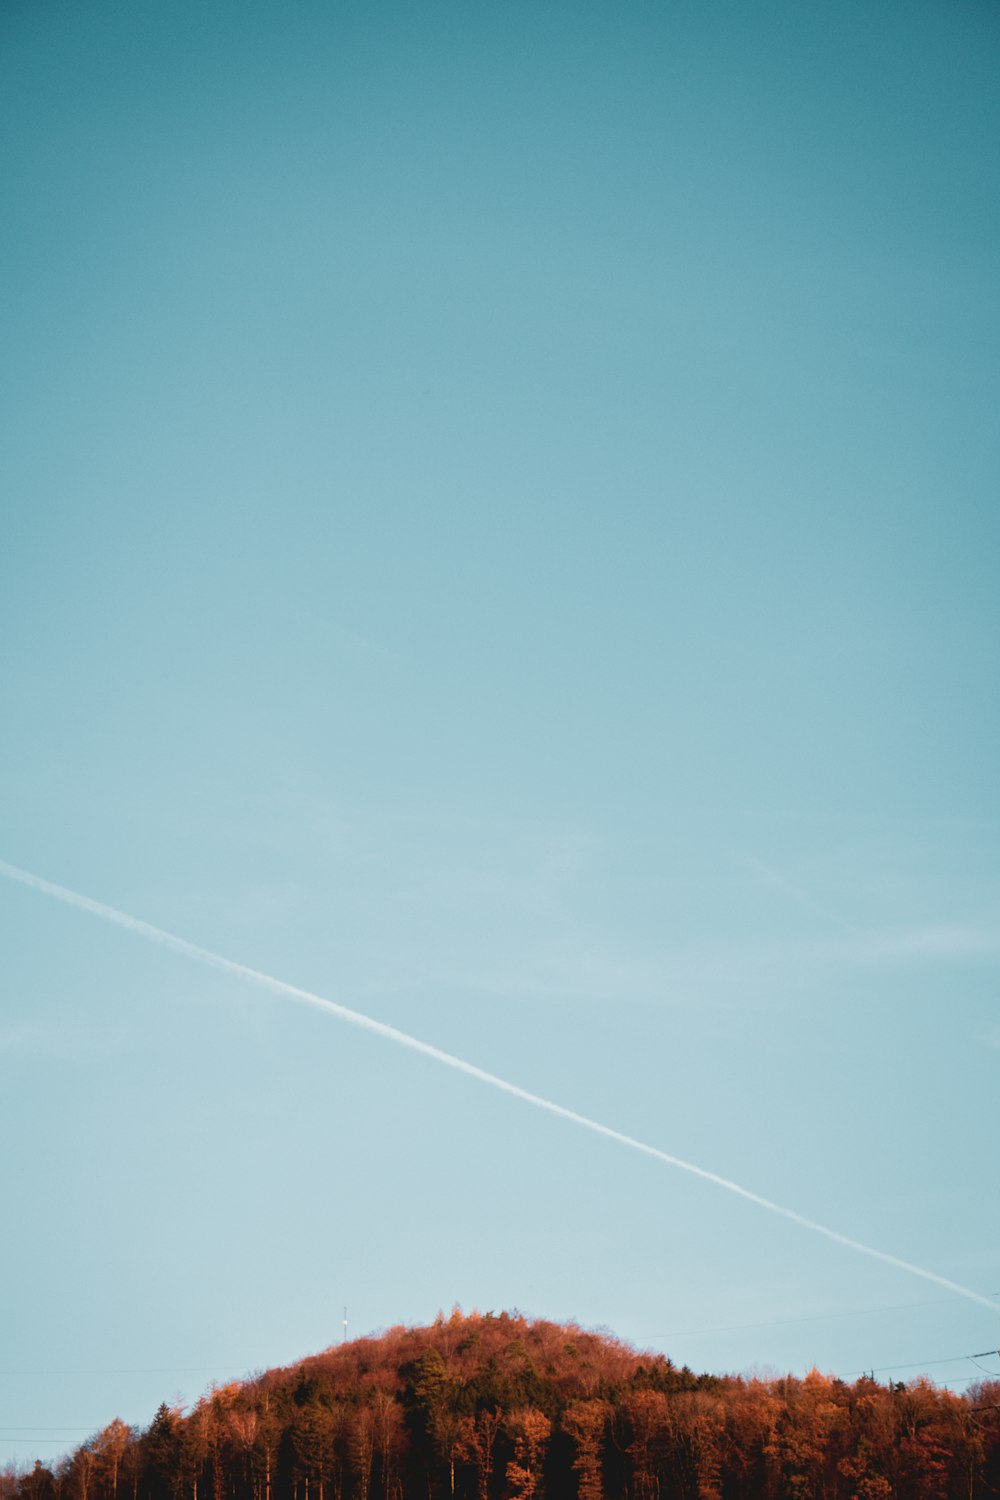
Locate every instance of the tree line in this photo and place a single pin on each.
(486, 1407)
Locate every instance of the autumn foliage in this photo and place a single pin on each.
(491, 1407)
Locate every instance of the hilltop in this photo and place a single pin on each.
(502, 1407)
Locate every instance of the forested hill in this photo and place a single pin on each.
(503, 1408)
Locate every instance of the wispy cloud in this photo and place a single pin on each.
(874, 943)
(347, 641)
(53, 1039)
(768, 876)
(353, 643)
(932, 940)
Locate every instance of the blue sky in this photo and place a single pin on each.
(500, 529)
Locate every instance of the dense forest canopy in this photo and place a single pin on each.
(500, 1407)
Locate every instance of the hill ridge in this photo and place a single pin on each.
(499, 1406)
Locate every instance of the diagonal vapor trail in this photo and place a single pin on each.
(403, 1039)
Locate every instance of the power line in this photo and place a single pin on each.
(32, 1437)
(32, 1442)
(857, 1312)
(234, 1364)
(924, 1364)
(151, 1370)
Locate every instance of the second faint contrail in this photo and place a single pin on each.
(403, 1039)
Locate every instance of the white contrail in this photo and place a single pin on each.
(403, 1039)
